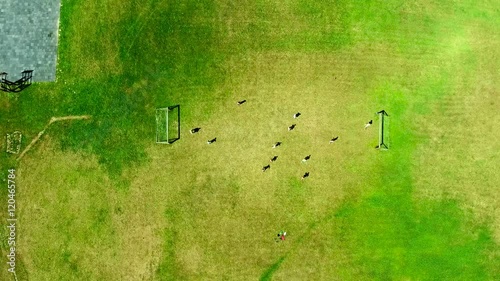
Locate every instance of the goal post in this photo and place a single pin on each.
(383, 130)
(168, 124)
(14, 142)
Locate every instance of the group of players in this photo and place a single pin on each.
(277, 144)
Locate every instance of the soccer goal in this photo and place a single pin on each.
(168, 124)
(14, 142)
(383, 136)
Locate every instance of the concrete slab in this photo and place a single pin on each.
(29, 31)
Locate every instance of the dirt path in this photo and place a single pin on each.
(52, 120)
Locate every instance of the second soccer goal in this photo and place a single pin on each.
(168, 125)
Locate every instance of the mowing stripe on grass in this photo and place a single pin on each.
(268, 274)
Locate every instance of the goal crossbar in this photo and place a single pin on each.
(382, 138)
(168, 125)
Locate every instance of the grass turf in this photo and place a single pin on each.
(99, 201)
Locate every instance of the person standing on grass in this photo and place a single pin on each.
(306, 158)
(195, 130)
(241, 102)
(291, 127)
(368, 124)
(276, 144)
(334, 139)
(296, 115)
(305, 175)
(273, 159)
(212, 141)
(283, 236)
(266, 167)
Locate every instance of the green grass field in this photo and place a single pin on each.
(99, 200)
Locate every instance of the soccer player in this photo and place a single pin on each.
(368, 124)
(195, 130)
(276, 144)
(241, 102)
(283, 236)
(296, 115)
(273, 159)
(334, 139)
(305, 175)
(266, 167)
(306, 158)
(212, 141)
(291, 127)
